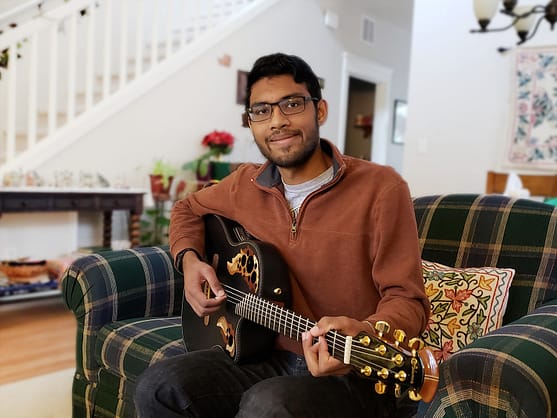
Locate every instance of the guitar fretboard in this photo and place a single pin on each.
(281, 320)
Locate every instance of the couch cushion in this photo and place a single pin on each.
(128, 347)
(466, 230)
(465, 304)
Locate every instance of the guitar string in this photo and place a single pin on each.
(336, 343)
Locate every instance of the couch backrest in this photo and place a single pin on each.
(470, 230)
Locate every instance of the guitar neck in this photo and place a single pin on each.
(284, 321)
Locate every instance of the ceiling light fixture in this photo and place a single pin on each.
(523, 17)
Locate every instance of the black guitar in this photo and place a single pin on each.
(255, 279)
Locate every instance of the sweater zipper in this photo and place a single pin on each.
(294, 225)
(296, 219)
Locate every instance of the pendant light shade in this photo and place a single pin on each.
(524, 24)
(484, 11)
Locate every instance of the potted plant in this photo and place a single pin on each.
(219, 144)
(161, 179)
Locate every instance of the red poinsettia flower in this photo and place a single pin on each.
(218, 139)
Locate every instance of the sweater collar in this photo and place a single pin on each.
(269, 176)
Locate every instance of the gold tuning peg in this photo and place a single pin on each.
(383, 373)
(381, 349)
(382, 327)
(366, 371)
(401, 375)
(380, 388)
(414, 396)
(399, 336)
(416, 344)
(365, 340)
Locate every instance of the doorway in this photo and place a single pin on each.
(359, 118)
(357, 67)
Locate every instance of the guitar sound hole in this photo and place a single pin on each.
(250, 265)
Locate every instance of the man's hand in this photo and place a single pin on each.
(196, 274)
(318, 359)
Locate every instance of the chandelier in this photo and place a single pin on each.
(525, 19)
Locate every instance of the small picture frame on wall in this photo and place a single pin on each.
(241, 84)
(399, 121)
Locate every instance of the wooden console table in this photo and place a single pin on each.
(81, 200)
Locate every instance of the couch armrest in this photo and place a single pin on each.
(116, 285)
(509, 372)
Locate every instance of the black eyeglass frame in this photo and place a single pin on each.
(285, 100)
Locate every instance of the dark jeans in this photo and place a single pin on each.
(207, 383)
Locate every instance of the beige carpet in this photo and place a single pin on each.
(46, 396)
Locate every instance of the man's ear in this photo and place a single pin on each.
(322, 111)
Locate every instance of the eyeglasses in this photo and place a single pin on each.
(289, 106)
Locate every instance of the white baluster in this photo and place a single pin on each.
(107, 49)
(53, 79)
(32, 106)
(139, 37)
(11, 117)
(89, 63)
(168, 21)
(72, 61)
(155, 37)
(124, 43)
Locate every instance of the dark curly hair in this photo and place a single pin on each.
(280, 64)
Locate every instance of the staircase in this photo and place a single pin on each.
(83, 60)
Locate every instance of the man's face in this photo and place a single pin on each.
(286, 140)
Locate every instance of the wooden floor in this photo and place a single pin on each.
(36, 337)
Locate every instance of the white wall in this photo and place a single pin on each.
(459, 113)
(169, 121)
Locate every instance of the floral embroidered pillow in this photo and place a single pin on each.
(466, 303)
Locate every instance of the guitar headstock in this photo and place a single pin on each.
(396, 365)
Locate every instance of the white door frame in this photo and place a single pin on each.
(363, 69)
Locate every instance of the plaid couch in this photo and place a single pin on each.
(127, 305)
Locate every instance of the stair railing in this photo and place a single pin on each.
(66, 61)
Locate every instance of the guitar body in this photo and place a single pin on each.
(251, 267)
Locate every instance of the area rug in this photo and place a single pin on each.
(45, 396)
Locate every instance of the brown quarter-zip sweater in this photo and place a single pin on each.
(352, 250)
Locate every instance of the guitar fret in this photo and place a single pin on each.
(290, 325)
(279, 319)
(273, 316)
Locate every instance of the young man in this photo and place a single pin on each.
(347, 231)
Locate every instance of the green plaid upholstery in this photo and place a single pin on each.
(511, 372)
(115, 286)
